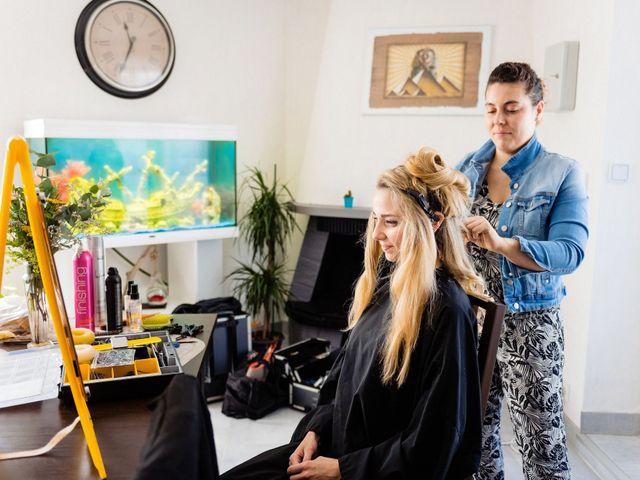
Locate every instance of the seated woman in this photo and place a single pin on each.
(403, 397)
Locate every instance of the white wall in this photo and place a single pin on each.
(229, 69)
(612, 382)
(344, 149)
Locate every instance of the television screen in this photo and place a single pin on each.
(160, 186)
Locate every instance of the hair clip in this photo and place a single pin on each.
(423, 202)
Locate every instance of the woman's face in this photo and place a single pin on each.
(510, 118)
(388, 224)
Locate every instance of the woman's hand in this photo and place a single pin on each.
(306, 450)
(480, 232)
(322, 468)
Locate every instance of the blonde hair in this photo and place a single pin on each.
(413, 284)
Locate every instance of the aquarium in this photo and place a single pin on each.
(168, 182)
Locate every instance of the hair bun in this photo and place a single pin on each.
(430, 170)
(424, 163)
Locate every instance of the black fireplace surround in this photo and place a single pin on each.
(330, 262)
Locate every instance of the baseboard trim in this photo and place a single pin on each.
(610, 423)
(592, 454)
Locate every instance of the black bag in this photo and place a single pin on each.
(246, 397)
(212, 305)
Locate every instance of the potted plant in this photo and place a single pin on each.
(348, 199)
(70, 207)
(266, 228)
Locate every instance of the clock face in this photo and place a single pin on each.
(126, 47)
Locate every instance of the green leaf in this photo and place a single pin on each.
(94, 189)
(46, 187)
(46, 161)
(85, 214)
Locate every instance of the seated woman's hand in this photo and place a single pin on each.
(322, 468)
(306, 450)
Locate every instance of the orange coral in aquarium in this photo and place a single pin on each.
(62, 179)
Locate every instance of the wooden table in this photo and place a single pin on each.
(121, 428)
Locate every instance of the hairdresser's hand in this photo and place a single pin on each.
(306, 450)
(322, 468)
(480, 232)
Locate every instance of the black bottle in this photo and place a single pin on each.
(113, 287)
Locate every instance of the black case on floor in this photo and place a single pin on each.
(305, 365)
(231, 342)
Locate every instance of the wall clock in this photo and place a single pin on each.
(125, 46)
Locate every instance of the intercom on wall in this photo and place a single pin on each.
(561, 75)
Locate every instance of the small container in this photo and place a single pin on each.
(125, 300)
(83, 294)
(135, 310)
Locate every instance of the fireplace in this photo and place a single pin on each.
(330, 262)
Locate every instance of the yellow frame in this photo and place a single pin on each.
(18, 154)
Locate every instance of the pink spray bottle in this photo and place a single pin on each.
(83, 289)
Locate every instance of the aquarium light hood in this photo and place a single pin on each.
(42, 128)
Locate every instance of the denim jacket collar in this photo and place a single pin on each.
(517, 164)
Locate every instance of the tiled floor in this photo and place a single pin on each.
(239, 440)
(624, 452)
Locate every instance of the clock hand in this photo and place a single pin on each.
(126, 29)
(132, 40)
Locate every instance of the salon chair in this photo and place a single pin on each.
(488, 344)
(489, 338)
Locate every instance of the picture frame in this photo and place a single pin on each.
(427, 71)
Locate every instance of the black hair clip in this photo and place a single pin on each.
(423, 202)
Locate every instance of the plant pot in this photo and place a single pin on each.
(39, 319)
(348, 202)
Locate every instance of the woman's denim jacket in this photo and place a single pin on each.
(546, 211)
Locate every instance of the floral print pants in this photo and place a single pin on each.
(528, 374)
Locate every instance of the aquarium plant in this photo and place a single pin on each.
(266, 228)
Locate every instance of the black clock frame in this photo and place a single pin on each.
(83, 58)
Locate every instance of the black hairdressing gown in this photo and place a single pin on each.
(430, 427)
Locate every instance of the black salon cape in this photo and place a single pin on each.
(430, 428)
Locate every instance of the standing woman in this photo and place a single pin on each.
(529, 227)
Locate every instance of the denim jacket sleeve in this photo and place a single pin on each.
(563, 250)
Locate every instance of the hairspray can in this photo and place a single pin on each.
(96, 247)
(113, 287)
(83, 289)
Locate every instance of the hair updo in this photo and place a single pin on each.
(449, 188)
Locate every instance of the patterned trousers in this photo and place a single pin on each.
(528, 375)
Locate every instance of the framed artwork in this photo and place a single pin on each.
(432, 71)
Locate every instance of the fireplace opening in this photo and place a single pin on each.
(329, 264)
